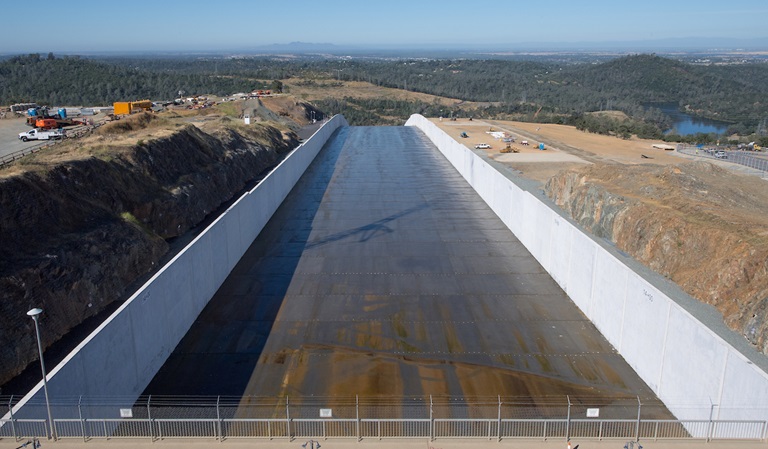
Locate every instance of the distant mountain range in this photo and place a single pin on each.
(673, 44)
(704, 45)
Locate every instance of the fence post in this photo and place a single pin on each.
(431, 421)
(13, 421)
(637, 427)
(762, 433)
(80, 414)
(568, 421)
(288, 419)
(498, 423)
(357, 416)
(218, 418)
(149, 419)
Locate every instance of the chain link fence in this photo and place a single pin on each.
(433, 417)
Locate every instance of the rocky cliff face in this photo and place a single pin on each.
(76, 233)
(700, 226)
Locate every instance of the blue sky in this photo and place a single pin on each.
(205, 25)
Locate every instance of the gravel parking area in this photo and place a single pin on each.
(9, 136)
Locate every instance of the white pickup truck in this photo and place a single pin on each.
(41, 134)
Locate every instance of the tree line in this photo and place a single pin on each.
(73, 80)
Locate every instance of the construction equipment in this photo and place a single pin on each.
(46, 123)
(129, 107)
(40, 117)
(509, 149)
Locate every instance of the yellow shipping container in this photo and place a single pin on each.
(129, 107)
(122, 107)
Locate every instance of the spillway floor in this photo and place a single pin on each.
(384, 274)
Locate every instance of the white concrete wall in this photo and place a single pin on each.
(687, 364)
(120, 358)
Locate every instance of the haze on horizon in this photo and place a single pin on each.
(239, 25)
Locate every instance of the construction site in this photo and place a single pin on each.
(423, 347)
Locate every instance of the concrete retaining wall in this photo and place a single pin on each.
(700, 371)
(120, 358)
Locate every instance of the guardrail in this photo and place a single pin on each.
(8, 158)
(359, 429)
(220, 418)
(745, 158)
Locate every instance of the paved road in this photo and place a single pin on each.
(306, 131)
(383, 273)
(9, 136)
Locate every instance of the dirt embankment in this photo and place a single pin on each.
(695, 223)
(77, 229)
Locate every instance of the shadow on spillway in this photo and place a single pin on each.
(218, 354)
(367, 232)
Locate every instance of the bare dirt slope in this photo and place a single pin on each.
(698, 223)
(565, 146)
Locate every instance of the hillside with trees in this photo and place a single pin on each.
(76, 81)
(555, 92)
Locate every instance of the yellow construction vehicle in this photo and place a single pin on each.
(509, 149)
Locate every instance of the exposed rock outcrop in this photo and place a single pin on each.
(76, 233)
(695, 223)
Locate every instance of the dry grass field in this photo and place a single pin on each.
(565, 146)
(329, 89)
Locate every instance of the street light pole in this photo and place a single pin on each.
(35, 313)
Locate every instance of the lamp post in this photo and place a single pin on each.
(35, 313)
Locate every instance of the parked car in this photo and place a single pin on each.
(483, 146)
(721, 154)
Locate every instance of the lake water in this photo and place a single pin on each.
(684, 124)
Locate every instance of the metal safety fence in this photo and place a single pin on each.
(433, 418)
(10, 157)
